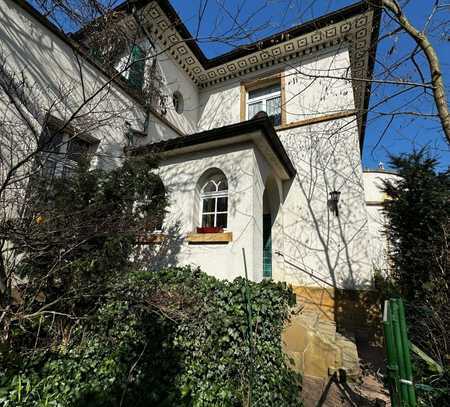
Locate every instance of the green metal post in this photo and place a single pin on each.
(408, 378)
(250, 330)
(398, 354)
(392, 365)
(401, 361)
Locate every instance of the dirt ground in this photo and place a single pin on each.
(366, 391)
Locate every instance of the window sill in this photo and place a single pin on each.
(223, 237)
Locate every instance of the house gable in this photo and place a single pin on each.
(354, 28)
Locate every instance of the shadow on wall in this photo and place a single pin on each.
(182, 176)
(359, 313)
(220, 108)
(328, 250)
(181, 181)
(162, 253)
(58, 79)
(325, 255)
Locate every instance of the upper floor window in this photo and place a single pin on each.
(64, 160)
(266, 99)
(62, 151)
(131, 66)
(77, 149)
(214, 200)
(137, 67)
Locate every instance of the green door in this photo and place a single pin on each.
(267, 245)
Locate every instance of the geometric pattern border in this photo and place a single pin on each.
(355, 32)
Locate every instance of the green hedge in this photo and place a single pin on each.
(172, 338)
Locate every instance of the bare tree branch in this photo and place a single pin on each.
(433, 61)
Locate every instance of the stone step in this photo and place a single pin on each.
(313, 321)
(317, 300)
(316, 349)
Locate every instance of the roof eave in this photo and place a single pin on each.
(227, 132)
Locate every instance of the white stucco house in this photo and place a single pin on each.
(266, 183)
(260, 148)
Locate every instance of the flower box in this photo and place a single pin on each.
(209, 230)
(209, 238)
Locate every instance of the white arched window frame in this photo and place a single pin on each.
(214, 201)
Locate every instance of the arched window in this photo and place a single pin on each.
(214, 199)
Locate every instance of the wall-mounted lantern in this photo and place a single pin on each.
(333, 202)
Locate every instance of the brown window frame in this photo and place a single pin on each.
(262, 82)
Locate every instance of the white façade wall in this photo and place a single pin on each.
(318, 247)
(373, 184)
(326, 156)
(268, 196)
(245, 169)
(323, 248)
(318, 85)
(220, 106)
(375, 197)
(175, 79)
(54, 73)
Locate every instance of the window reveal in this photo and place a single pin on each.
(178, 102)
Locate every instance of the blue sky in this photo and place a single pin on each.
(250, 20)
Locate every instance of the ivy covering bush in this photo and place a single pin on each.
(171, 338)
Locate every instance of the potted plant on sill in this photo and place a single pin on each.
(209, 229)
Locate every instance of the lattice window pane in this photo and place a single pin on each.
(254, 108)
(208, 220)
(210, 187)
(77, 148)
(222, 204)
(273, 106)
(222, 185)
(209, 205)
(221, 220)
(49, 168)
(261, 92)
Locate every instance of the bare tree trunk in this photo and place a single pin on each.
(433, 61)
